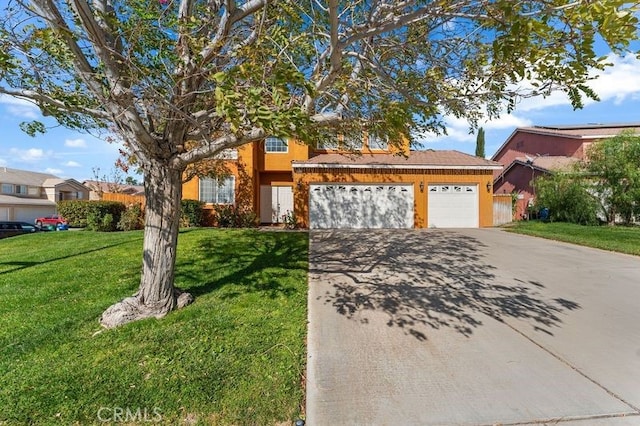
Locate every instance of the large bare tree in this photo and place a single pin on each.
(178, 81)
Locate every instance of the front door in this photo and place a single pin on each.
(275, 202)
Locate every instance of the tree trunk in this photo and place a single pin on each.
(157, 295)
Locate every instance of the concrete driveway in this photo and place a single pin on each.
(470, 327)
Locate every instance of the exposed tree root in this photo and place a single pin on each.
(133, 309)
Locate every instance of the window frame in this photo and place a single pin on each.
(215, 189)
(379, 144)
(7, 188)
(273, 139)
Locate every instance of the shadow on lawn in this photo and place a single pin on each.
(251, 260)
(19, 265)
(429, 278)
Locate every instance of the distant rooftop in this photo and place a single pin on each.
(428, 159)
(584, 131)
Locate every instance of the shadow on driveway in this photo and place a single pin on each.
(417, 278)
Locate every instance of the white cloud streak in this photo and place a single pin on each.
(75, 143)
(616, 84)
(20, 108)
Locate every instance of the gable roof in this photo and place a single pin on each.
(542, 163)
(96, 185)
(585, 132)
(24, 177)
(429, 159)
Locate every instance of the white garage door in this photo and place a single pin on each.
(29, 214)
(453, 206)
(360, 206)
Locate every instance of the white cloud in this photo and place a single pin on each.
(619, 82)
(30, 155)
(616, 83)
(75, 143)
(20, 108)
(72, 164)
(52, 171)
(3, 162)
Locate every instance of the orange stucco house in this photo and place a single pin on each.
(375, 187)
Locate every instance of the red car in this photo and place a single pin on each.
(51, 220)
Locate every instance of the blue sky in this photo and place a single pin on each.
(71, 154)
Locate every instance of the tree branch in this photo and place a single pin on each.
(39, 99)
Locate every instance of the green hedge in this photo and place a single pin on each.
(94, 215)
(191, 213)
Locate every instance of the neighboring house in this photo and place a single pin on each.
(98, 188)
(25, 195)
(377, 187)
(530, 152)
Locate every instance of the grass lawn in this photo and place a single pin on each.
(236, 356)
(614, 238)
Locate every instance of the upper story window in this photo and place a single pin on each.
(272, 144)
(218, 190)
(377, 143)
(353, 142)
(21, 189)
(7, 188)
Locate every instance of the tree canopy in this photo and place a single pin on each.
(179, 81)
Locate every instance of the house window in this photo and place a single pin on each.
(21, 189)
(353, 142)
(7, 188)
(377, 143)
(218, 190)
(272, 144)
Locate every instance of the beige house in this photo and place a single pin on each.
(25, 195)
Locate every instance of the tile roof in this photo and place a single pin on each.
(95, 185)
(25, 201)
(415, 160)
(550, 162)
(23, 177)
(585, 131)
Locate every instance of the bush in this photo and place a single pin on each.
(132, 218)
(568, 199)
(191, 213)
(94, 215)
(228, 216)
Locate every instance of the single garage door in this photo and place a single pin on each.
(360, 206)
(29, 214)
(453, 206)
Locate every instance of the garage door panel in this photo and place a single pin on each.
(453, 206)
(29, 214)
(361, 206)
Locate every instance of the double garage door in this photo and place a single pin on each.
(390, 206)
(361, 206)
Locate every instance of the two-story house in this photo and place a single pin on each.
(25, 195)
(530, 152)
(377, 186)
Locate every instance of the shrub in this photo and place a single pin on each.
(132, 218)
(229, 216)
(568, 199)
(191, 213)
(95, 215)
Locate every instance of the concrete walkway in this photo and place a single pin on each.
(473, 327)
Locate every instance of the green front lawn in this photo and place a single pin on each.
(236, 356)
(622, 239)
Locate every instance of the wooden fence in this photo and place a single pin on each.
(502, 209)
(124, 198)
